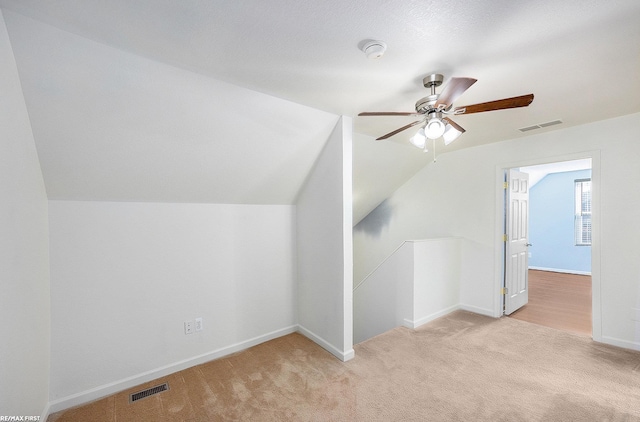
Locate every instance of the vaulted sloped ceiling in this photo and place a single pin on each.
(111, 125)
(231, 102)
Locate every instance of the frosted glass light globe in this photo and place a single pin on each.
(419, 139)
(434, 128)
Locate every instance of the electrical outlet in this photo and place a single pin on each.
(188, 327)
(199, 324)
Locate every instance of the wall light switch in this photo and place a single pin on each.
(188, 327)
(198, 324)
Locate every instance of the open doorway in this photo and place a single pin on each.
(558, 275)
(558, 300)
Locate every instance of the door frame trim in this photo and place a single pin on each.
(594, 155)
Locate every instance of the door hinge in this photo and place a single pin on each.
(505, 185)
(505, 237)
(504, 291)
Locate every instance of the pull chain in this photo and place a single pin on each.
(434, 150)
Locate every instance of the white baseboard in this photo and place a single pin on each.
(45, 413)
(478, 310)
(421, 321)
(625, 344)
(120, 385)
(559, 270)
(343, 356)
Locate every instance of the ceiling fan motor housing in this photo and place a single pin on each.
(423, 105)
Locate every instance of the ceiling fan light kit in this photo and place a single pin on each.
(450, 134)
(434, 108)
(434, 127)
(419, 139)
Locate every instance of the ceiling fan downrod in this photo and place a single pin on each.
(426, 104)
(433, 81)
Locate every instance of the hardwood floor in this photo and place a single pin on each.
(558, 300)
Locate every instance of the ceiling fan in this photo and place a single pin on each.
(434, 110)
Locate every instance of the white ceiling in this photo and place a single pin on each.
(164, 100)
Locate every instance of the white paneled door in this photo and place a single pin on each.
(516, 293)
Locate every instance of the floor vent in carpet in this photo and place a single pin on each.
(148, 392)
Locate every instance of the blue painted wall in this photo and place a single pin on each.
(551, 224)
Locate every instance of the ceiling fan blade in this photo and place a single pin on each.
(455, 125)
(514, 102)
(390, 134)
(455, 88)
(389, 113)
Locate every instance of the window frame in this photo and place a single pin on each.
(582, 212)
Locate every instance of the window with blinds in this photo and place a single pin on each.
(583, 212)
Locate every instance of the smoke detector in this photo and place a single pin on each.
(374, 49)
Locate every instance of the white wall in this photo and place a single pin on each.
(419, 282)
(385, 298)
(125, 276)
(24, 254)
(436, 286)
(324, 247)
(458, 196)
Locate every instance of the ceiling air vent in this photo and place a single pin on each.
(148, 392)
(551, 123)
(540, 125)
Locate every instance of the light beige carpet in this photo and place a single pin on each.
(462, 367)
